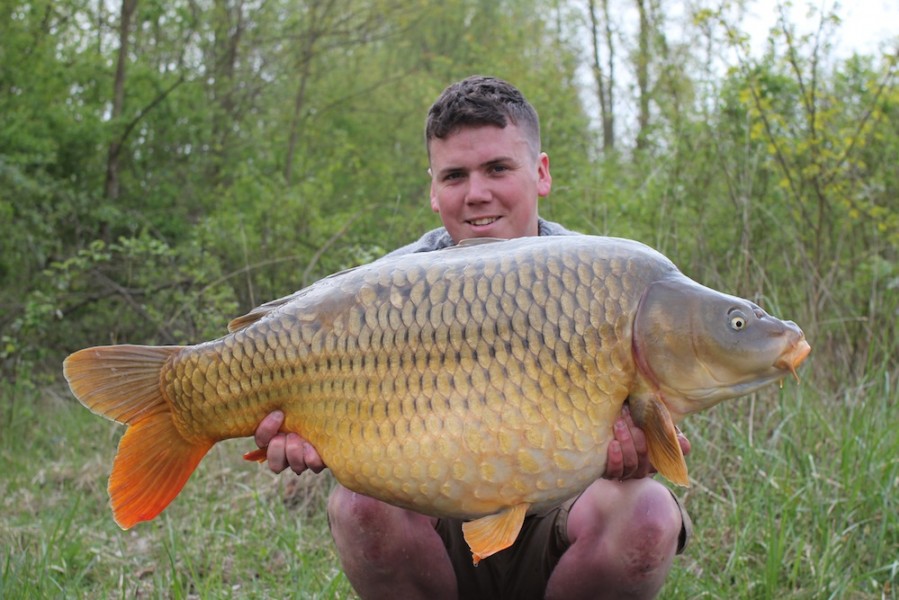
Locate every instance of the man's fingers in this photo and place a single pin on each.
(630, 459)
(639, 439)
(277, 457)
(294, 453)
(268, 428)
(300, 455)
(312, 459)
(644, 467)
(685, 444)
(614, 461)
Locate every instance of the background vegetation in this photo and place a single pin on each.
(166, 166)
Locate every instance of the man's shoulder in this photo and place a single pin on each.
(545, 227)
(439, 238)
(436, 239)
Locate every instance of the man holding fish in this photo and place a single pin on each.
(619, 536)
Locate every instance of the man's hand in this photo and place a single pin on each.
(286, 449)
(628, 455)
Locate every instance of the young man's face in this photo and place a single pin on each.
(485, 181)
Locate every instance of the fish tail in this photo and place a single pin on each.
(154, 460)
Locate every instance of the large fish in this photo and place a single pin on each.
(479, 382)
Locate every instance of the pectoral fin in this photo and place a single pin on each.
(665, 452)
(488, 535)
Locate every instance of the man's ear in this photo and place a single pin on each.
(435, 206)
(544, 179)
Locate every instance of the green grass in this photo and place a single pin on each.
(236, 531)
(795, 496)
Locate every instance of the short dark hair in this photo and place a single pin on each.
(482, 100)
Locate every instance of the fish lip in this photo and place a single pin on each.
(793, 357)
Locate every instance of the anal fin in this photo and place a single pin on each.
(488, 535)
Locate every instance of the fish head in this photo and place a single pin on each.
(697, 346)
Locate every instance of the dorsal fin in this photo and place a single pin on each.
(257, 313)
(261, 311)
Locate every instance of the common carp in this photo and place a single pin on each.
(479, 382)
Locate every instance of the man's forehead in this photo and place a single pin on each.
(480, 144)
(460, 130)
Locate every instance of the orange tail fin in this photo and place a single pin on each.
(154, 461)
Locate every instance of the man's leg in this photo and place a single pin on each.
(623, 538)
(389, 552)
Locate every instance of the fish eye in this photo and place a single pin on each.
(737, 322)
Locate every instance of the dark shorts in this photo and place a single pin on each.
(522, 571)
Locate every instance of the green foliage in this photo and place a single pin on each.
(135, 288)
(822, 134)
(263, 145)
(258, 153)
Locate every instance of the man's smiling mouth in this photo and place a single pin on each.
(483, 221)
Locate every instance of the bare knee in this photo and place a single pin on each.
(376, 532)
(351, 511)
(623, 532)
(650, 536)
(363, 527)
(388, 552)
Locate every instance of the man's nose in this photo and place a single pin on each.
(478, 189)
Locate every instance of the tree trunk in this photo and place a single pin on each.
(112, 187)
(643, 77)
(604, 84)
(229, 28)
(317, 26)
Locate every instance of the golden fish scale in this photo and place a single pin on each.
(457, 387)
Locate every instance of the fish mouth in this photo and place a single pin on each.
(793, 357)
